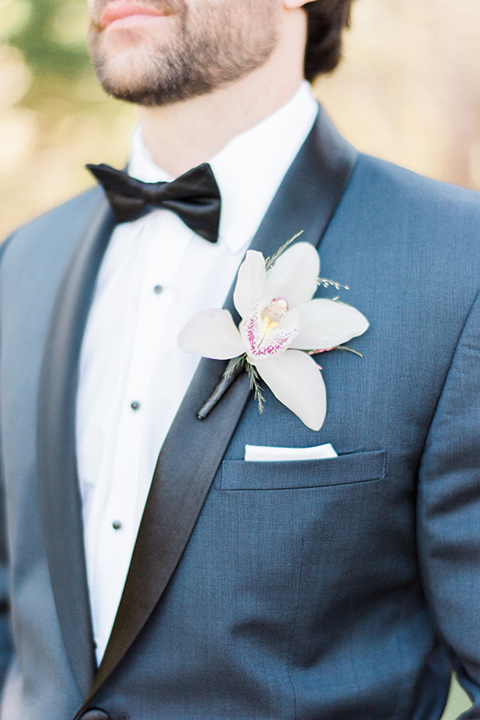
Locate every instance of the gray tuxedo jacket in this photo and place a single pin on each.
(337, 589)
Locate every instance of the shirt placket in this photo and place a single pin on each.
(119, 523)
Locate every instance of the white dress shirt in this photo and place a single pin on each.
(156, 275)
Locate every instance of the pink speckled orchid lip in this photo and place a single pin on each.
(269, 328)
(280, 321)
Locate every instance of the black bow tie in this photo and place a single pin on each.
(194, 197)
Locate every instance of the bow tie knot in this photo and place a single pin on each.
(194, 197)
(151, 194)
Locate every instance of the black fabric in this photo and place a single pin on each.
(194, 197)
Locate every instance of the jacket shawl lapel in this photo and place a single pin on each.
(60, 503)
(306, 200)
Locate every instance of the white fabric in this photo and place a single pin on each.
(265, 453)
(129, 352)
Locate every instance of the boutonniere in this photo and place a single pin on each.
(282, 328)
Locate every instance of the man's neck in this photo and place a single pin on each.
(184, 134)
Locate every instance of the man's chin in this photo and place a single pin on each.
(129, 85)
(123, 64)
(128, 76)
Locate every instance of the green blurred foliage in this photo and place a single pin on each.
(50, 34)
(54, 117)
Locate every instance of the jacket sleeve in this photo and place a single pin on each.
(449, 512)
(5, 641)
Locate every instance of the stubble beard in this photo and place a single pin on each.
(205, 49)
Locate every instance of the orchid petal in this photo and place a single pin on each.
(294, 275)
(295, 379)
(324, 324)
(212, 334)
(250, 282)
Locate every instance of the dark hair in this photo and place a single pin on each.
(326, 21)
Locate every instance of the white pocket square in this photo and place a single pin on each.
(263, 453)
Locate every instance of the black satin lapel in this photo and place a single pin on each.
(193, 449)
(58, 484)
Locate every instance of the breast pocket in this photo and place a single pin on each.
(341, 470)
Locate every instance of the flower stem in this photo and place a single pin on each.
(234, 368)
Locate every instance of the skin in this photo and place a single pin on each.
(247, 59)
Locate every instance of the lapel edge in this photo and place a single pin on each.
(59, 493)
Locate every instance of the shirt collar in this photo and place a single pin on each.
(249, 169)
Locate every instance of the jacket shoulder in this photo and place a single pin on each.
(392, 205)
(415, 232)
(396, 186)
(76, 210)
(54, 231)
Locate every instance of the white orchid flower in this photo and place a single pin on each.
(280, 321)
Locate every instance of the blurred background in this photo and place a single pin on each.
(408, 90)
